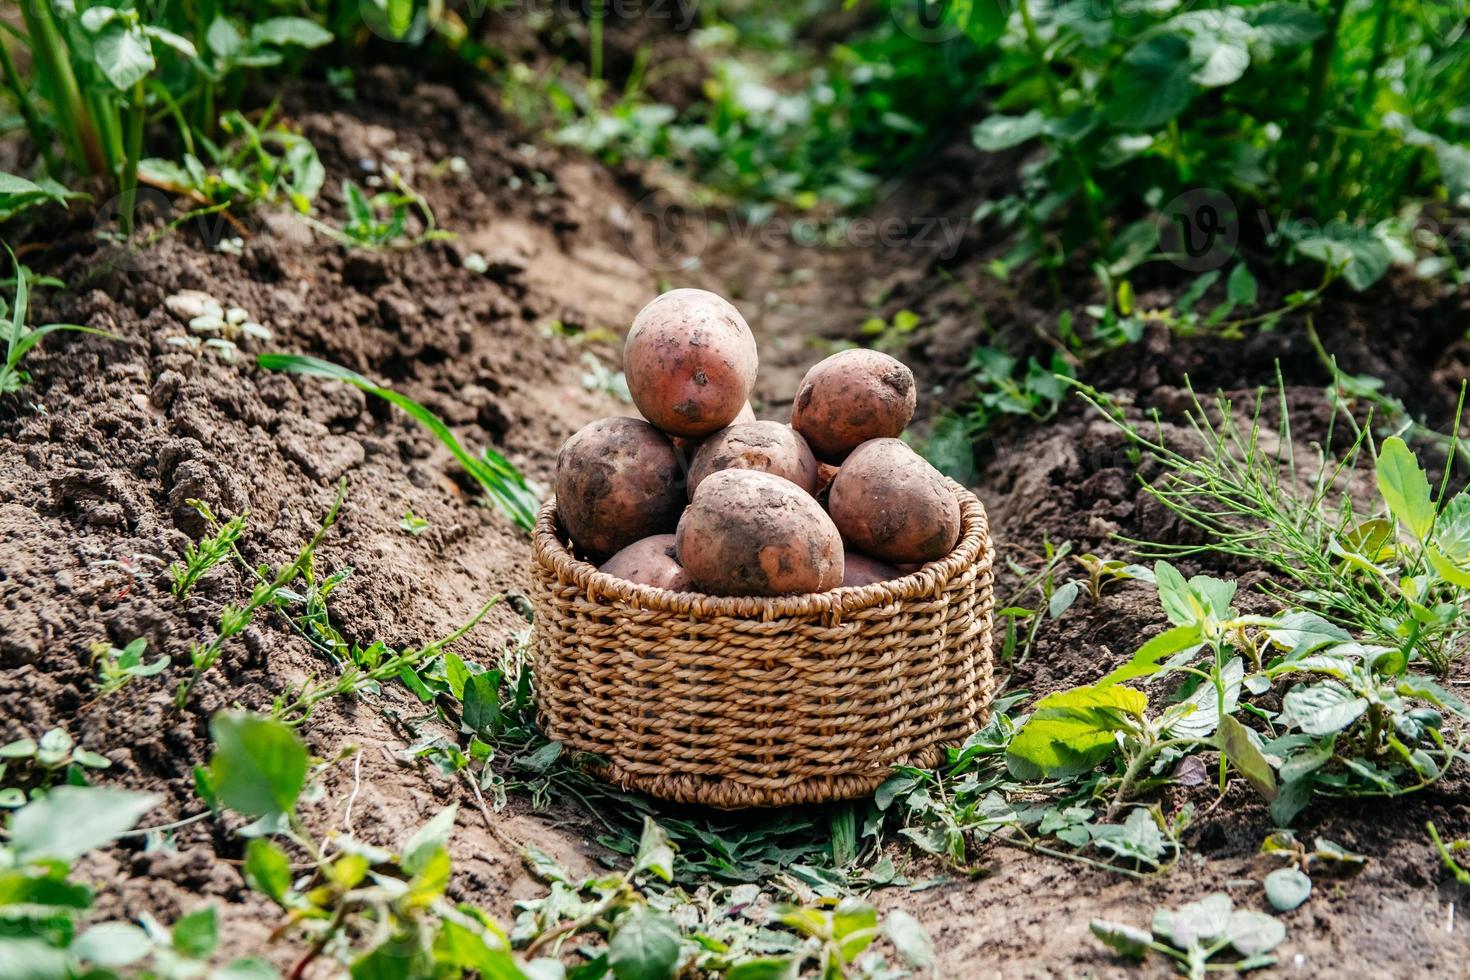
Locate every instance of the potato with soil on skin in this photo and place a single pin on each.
(652, 561)
(851, 397)
(753, 533)
(768, 447)
(890, 504)
(690, 446)
(690, 361)
(859, 569)
(618, 480)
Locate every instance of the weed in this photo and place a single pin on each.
(1198, 936)
(881, 334)
(382, 220)
(19, 339)
(18, 194)
(413, 524)
(203, 656)
(56, 756)
(1447, 854)
(1289, 886)
(1006, 387)
(1396, 576)
(501, 481)
(210, 551)
(117, 668)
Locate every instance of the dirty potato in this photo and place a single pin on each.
(769, 447)
(617, 480)
(690, 362)
(892, 505)
(858, 569)
(753, 533)
(851, 397)
(652, 561)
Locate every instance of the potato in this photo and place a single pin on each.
(892, 505)
(651, 561)
(690, 446)
(753, 533)
(766, 446)
(858, 569)
(618, 480)
(849, 398)
(690, 361)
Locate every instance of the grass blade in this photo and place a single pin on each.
(501, 481)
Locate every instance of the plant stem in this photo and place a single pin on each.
(128, 185)
(54, 68)
(1323, 51)
(38, 130)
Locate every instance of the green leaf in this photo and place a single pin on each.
(123, 55)
(1241, 287)
(259, 765)
(1152, 84)
(1285, 24)
(1125, 940)
(267, 869)
(1146, 660)
(1195, 924)
(22, 958)
(1071, 731)
(1217, 60)
(69, 821)
(645, 945)
(1236, 743)
(223, 38)
(291, 31)
(1174, 595)
(197, 934)
(249, 968)
(1287, 888)
(1301, 633)
(180, 44)
(108, 945)
(501, 481)
(1405, 488)
(764, 968)
(1452, 530)
(11, 184)
(429, 839)
(1254, 933)
(655, 852)
(1321, 709)
(1362, 256)
(1139, 838)
(481, 703)
(999, 132)
(1446, 569)
(1292, 799)
(910, 939)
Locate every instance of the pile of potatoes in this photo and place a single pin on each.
(702, 497)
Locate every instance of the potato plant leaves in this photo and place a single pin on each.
(259, 765)
(69, 821)
(1071, 731)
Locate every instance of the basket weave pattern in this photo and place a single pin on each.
(753, 701)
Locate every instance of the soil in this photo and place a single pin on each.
(101, 455)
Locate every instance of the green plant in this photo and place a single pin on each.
(101, 68)
(19, 339)
(1395, 576)
(382, 220)
(203, 656)
(18, 194)
(256, 163)
(117, 668)
(413, 524)
(502, 482)
(881, 334)
(1132, 107)
(55, 756)
(1004, 386)
(1289, 886)
(210, 551)
(1447, 854)
(1196, 935)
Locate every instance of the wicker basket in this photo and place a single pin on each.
(747, 701)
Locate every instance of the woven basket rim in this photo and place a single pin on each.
(972, 549)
